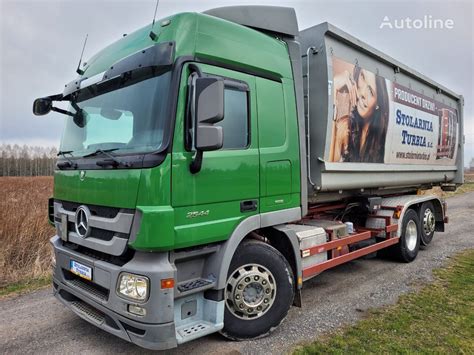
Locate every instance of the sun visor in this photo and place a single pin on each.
(158, 55)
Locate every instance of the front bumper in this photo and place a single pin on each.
(98, 303)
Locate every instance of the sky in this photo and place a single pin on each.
(41, 41)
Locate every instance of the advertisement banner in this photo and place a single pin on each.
(379, 121)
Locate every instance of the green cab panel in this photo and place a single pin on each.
(278, 181)
(206, 223)
(156, 216)
(241, 47)
(156, 231)
(110, 187)
(208, 204)
(278, 146)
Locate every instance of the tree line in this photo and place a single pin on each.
(16, 160)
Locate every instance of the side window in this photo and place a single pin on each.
(236, 119)
(236, 122)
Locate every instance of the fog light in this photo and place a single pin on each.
(134, 309)
(134, 287)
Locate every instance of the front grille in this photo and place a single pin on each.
(106, 224)
(101, 211)
(98, 233)
(88, 287)
(97, 255)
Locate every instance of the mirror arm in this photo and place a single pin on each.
(196, 164)
(60, 110)
(57, 97)
(75, 106)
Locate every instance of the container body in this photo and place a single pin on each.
(374, 124)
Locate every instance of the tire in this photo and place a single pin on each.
(258, 293)
(407, 248)
(427, 223)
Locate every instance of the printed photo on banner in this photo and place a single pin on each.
(376, 120)
(361, 114)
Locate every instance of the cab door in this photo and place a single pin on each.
(209, 205)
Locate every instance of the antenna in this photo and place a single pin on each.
(153, 35)
(79, 70)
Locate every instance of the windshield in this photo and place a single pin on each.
(129, 119)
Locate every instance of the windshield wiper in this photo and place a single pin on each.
(101, 151)
(111, 161)
(66, 164)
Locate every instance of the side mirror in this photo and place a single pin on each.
(209, 110)
(208, 102)
(42, 106)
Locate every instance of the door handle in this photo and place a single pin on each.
(248, 206)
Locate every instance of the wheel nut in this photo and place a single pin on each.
(247, 279)
(265, 300)
(237, 297)
(259, 308)
(241, 306)
(250, 310)
(256, 278)
(264, 282)
(267, 291)
(240, 287)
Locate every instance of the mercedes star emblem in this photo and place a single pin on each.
(82, 221)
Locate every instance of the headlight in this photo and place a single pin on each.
(133, 287)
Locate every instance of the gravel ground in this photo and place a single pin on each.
(37, 323)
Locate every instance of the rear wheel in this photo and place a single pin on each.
(259, 291)
(407, 248)
(427, 223)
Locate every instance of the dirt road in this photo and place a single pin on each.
(37, 323)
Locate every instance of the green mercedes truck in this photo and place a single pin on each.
(212, 162)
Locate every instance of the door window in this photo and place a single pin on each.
(236, 121)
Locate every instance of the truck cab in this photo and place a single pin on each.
(129, 208)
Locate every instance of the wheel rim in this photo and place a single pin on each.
(250, 291)
(428, 221)
(411, 235)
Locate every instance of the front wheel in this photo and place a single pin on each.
(258, 293)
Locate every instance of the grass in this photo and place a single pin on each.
(18, 288)
(25, 253)
(437, 319)
(468, 186)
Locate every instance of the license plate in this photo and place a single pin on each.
(81, 270)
